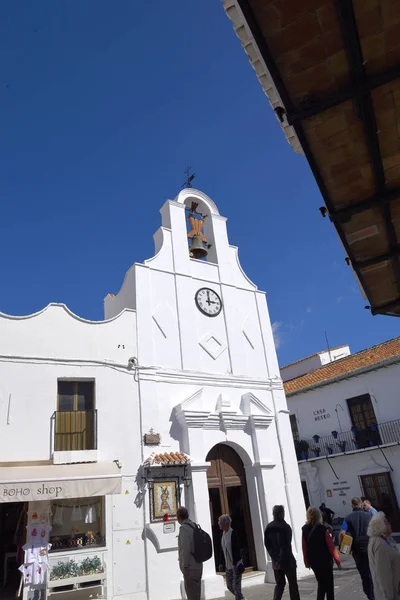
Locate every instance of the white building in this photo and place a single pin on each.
(346, 424)
(93, 414)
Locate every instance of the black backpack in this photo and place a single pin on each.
(203, 548)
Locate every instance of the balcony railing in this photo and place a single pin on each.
(74, 430)
(349, 441)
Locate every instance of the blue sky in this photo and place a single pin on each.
(102, 106)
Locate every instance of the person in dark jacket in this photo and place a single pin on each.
(327, 514)
(234, 566)
(278, 542)
(319, 552)
(356, 525)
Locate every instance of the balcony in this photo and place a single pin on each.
(74, 435)
(349, 441)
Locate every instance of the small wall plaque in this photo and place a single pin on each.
(169, 527)
(152, 439)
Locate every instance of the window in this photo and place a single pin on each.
(361, 411)
(75, 418)
(77, 523)
(362, 416)
(295, 429)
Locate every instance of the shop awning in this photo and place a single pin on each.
(48, 482)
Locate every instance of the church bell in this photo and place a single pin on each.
(197, 249)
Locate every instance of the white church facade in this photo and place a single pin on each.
(107, 427)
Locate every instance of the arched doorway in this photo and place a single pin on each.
(227, 491)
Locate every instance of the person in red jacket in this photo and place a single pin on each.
(319, 552)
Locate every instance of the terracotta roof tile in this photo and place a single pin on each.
(344, 366)
(167, 458)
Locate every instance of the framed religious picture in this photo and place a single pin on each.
(164, 500)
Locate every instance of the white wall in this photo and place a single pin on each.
(55, 344)
(320, 478)
(382, 384)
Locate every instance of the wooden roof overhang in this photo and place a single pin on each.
(334, 75)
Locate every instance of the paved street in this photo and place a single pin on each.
(347, 586)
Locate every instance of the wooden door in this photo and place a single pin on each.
(228, 495)
(378, 489)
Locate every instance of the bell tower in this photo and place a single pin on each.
(208, 375)
(196, 308)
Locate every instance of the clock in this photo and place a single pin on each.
(208, 302)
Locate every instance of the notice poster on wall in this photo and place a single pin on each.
(340, 488)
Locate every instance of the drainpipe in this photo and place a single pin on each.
(285, 475)
(136, 366)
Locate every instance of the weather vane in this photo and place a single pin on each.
(189, 178)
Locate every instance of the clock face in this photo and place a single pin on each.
(208, 302)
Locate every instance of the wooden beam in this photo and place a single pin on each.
(349, 93)
(342, 215)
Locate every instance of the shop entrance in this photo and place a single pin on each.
(227, 490)
(12, 538)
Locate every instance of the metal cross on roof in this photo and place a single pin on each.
(189, 178)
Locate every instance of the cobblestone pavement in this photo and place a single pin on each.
(347, 586)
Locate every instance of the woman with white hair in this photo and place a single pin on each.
(234, 566)
(384, 559)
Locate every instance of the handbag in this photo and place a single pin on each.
(345, 546)
(240, 568)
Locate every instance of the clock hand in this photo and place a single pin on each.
(208, 298)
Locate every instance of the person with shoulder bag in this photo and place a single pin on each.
(194, 548)
(319, 552)
(234, 567)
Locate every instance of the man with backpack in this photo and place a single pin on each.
(356, 525)
(194, 547)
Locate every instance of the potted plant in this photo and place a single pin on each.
(315, 438)
(342, 445)
(374, 427)
(334, 433)
(303, 449)
(329, 449)
(317, 451)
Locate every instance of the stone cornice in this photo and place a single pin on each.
(193, 419)
(231, 421)
(262, 465)
(213, 422)
(199, 467)
(261, 421)
(224, 421)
